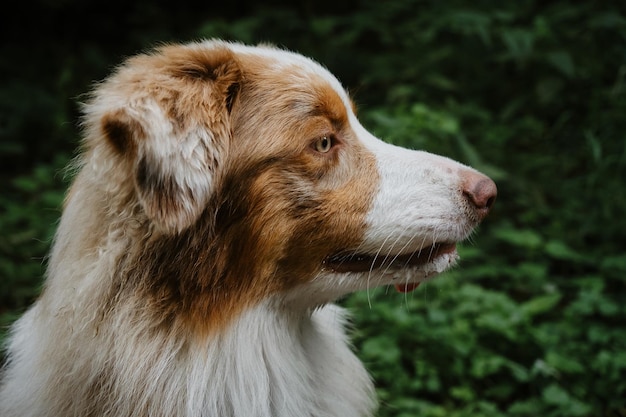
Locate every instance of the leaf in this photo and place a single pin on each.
(563, 62)
(564, 363)
(485, 366)
(541, 304)
(595, 145)
(532, 271)
(519, 43)
(541, 367)
(462, 393)
(530, 407)
(555, 395)
(381, 348)
(559, 250)
(617, 262)
(524, 238)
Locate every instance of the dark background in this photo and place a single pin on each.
(533, 93)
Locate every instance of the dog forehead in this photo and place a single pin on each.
(292, 68)
(281, 59)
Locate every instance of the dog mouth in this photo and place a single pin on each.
(429, 259)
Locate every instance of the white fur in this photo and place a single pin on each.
(273, 363)
(419, 196)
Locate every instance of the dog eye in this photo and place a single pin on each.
(323, 144)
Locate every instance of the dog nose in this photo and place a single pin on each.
(480, 191)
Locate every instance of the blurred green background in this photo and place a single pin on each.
(533, 93)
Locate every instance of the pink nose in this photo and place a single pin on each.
(480, 191)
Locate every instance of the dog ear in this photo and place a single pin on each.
(177, 134)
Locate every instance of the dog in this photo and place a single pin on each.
(224, 197)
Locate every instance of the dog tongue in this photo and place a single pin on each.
(408, 287)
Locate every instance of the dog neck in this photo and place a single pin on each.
(270, 362)
(273, 362)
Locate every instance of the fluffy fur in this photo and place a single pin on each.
(226, 195)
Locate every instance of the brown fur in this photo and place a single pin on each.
(251, 240)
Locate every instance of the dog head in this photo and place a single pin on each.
(250, 175)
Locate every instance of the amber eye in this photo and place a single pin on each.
(323, 144)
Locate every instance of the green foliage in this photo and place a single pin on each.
(29, 208)
(532, 93)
